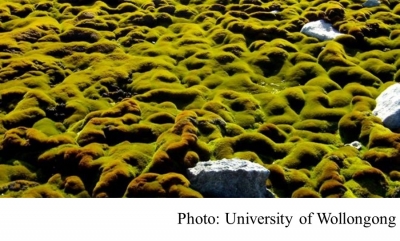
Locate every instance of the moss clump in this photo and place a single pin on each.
(350, 126)
(54, 188)
(394, 175)
(304, 155)
(303, 72)
(384, 158)
(313, 125)
(327, 169)
(43, 191)
(333, 55)
(385, 72)
(345, 75)
(325, 83)
(279, 112)
(332, 188)
(15, 172)
(190, 98)
(80, 34)
(297, 179)
(266, 149)
(73, 185)
(372, 179)
(179, 147)
(273, 132)
(166, 185)
(108, 170)
(285, 182)
(114, 178)
(318, 107)
(305, 192)
(13, 188)
(31, 141)
(49, 127)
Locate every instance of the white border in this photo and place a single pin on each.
(152, 219)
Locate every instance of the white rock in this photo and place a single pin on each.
(388, 107)
(320, 30)
(371, 3)
(355, 144)
(234, 178)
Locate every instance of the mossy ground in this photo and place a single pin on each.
(119, 98)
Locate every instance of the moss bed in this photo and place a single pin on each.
(119, 98)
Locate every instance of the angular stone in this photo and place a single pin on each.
(320, 30)
(388, 107)
(232, 178)
(355, 144)
(371, 3)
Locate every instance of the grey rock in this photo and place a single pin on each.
(355, 144)
(371, 3)
(388, 107)
(320, 30)
(231, 178)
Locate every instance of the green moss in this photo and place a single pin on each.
(297, 179)
(381, 43)
(345, 75)
(104, 92)
(333, 55)
(48, 127)
(383, 71)
(298, 57)
(304, 155)
(384, 158)
(179, 147)
(350, 126)
(233, 130)
(357, 190)
(347, 40)
(295, 98)
(394, 175)
(15, 172)
(265, 148)
(387, 17)
(166, 185)
(339, 98)
(372, 179)
(113, 180)
(25, 117)
(316, 126)
(80, 34)
(303, 72)
(305, 192)
(43, 191)
(324, 82)
(318, 107)
(104, 47)
(73, 185)
(273, 132)
(326, 170)
(285, 182)
(312, 46)
(189, 98)
(332, 188)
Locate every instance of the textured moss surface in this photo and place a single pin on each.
(119, 98)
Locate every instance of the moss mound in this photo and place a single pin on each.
(119, 98)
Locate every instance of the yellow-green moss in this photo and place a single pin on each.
(304, 155)
(305, 192)
(156, 185)
(15, 172)
(102, 93)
